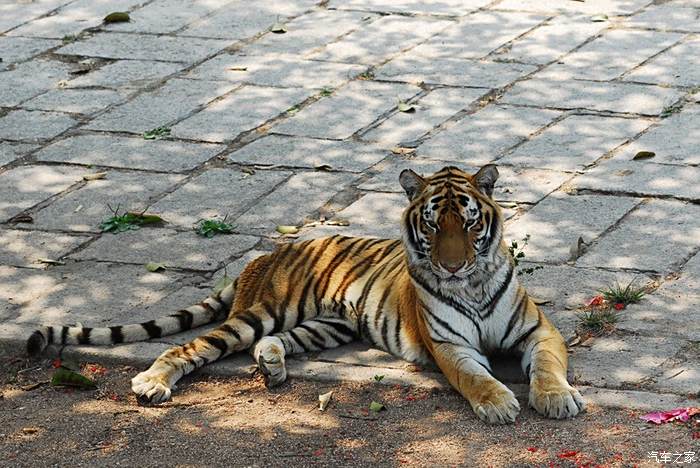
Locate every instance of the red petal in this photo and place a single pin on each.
(568, 454)
(532, 449)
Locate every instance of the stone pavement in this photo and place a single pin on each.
(282, 128)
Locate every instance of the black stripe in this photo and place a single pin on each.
(152, 329)
(277, 316)
(379, 271)
(297, 340)
(525, 335)
(397, 333)
(50, 337)
(64, 335)
(324, 279)
(358, 269)
(514, 317)
(226, 328)
(385, 331)
(117, 335)
(216, 342)
(496, 298)
(254, 322)
(315, 337)
(84, 335)
(446, 325)
(185, 318)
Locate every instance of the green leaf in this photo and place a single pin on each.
(599, 18)
(376, 407)
(405, 107)
(156, 133)
(221, 284)
(278, 28)
(66, 377)
(287, 229)
(117, 17)
(378, 378)
(643, 155)
(153, 266)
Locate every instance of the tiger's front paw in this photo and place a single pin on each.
(497, 406)
(269, 353)
(558, 401)
(150, 388)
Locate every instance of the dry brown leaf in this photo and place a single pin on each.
(403, 151)
(324, 399)
(95, 176)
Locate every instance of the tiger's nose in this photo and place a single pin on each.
(452, 267)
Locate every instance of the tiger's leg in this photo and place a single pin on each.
(545, 362)
(239, 332)
(311, 335)
(469, 372)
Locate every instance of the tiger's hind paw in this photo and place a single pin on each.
(269, 353)
(150, 389)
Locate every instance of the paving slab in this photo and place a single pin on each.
(594, 7)
(513, 185)
(73, 18)
(481, 137)
(126, 75)
(46, 181)
(16, 13)
(380, 39)
(84, 209)
(281, 70)
(237, 22)
(34, 125)
(164, 16)
(30, 79)
(557, 222)
(12, 151)
(217, 193)
(81, 292)
(283, 206)
(641, 178)
(309, 153)
(25, 248)
(615, 52)
(310, 31)
(575, 142)
(688, 281)
(453, 72)
(337, 116)
(172, 248)
(244, 109)
(678, 66)
(372, 215)
(666, 16)
(683, 377)
(446, 7)
(429, 111)
(622, 361)
(144, 47)
(550, 40)
(19, 49)
(665, 313)
(477, 35)
(84, 101)
(557, 92)
(171, 102)
(670, 140)
(19, 286)
(234, 268)
(657, 236)
(131, 153)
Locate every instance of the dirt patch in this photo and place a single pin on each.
(237, 422)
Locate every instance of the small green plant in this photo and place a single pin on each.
(156, 133)
(378, 378)
(127, 221)
(211, 227)
(672, 109)
(626, 295)
(597, 321)
(516, 251)
(368, 75)
(68, 38)
(325, 92)
(293, 110)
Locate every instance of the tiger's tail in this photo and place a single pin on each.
(214, 308)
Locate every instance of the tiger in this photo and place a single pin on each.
(446, 293)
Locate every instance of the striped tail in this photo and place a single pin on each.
(214, 308)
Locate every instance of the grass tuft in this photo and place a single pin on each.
(598, 321)
(626, 295)
(211, 227)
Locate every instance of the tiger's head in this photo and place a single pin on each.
(452, 225)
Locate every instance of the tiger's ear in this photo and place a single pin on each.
(412, 183)
(486, 178)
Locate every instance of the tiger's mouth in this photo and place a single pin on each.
(447, 276)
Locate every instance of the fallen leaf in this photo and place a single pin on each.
(287, 229)
(405, 107)
(378, 378)
(95, 176)
(278, 28)
(117, 17)
(323, 167)
(577, 249)
(506, 204)
(30, 387)
(599, 18)
(678, 414)
(376, 406)
(66, 377)
(643, 155)
(153, 266)
(539, 301)
(403, 151)
(30, 430)
(78, 208)
(596, 301)
(238, 68)
(22, 218)
(532, 449)
(221, 284)
(49, 261)
(323, 400)
(147, 218)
